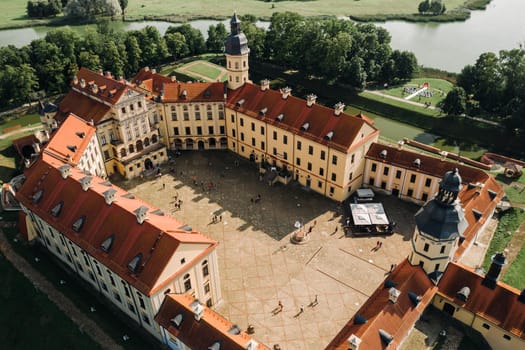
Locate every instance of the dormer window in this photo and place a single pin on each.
(80, 134)
(329, 135)
(38, 196)
(234, 330)
(55, 211)
(383, 154)
(492, 194)
(77, 225)
(177, 321)
(417, 163)
(215, 346)
(477, 214)
(240, 102)
(280, 117)
(305, 126)
(134, 263)
(108, 242)
(263, 111)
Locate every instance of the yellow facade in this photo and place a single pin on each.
(238, 68)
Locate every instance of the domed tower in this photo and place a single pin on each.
(236, 55)
(439, 225)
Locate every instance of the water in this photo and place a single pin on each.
(451, 46)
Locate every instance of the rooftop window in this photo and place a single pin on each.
(177, 320)
(55, 211)
(134, 263)
(77, 225)
(108, 242)
(305, 126)
(280, 117)
(38, 196)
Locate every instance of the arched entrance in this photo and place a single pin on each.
(212, 142)
(148, 164)
(224, 142)
(189, 144)
(200, 145)
(177, 144)
(252, 156)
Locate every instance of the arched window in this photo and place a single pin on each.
(205, 270)
(187, 282)
(131, 149)
(154, 139)
(236, 65)
(146, 142)
(139, 145)
(122, 152)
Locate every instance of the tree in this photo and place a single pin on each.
(177, 46)
(42, 9)
(89, 9)
(123, 5)
(455, 103)
(112, 58)
(283, 37)
(89, 60)
(17, 84)
(48, 62)
(134, 55)
(437, 7)
(256, 38)
(194, 38)
(216, 37)
(405, 64)
(424, 6)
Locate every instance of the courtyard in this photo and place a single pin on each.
(258, 264)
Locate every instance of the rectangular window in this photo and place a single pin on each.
(299, 145)
(187, 130)
(253, 126)
(442, 250)
(210, 115)
(253, 141)
(428, 181)
(221, 115)
(309, 166)
(145, 318)
(174, 116)
(385, 170)
(412, 178)
(285, 155)
(197, 115)
(321, 171)
(334, 160)
(175, 131)
(104, 286)
(310, 150)
(334, 177)
(486, 326)
(262, 145)
(199, 130)
(371, 181)
(424, 197)
(323, 155)
(262, 130)
(241, 121)
(117, 297)
(233, 132)
(210, 130)
(374, 167)
(242, 136)
(350, 176)
(398, 174)
(425, 248)
(352, 159)
(285, 139)
(103, 139)
(233, 118)
(383, 184)
(106, 155)
(410, 192)
(506, 336)
(275, 135)
(131, 307)
(436, 267)
(141, 303)
(298, 161)
(332, 190)
(221, 129)
(320, 184)
(207, 288)
(274, 151)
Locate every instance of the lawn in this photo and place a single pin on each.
(508, 223)
(80, 294)
(30, 321)
(202, 68)
(515, 194)
(515, 275)
(438, 87)
(24, 120)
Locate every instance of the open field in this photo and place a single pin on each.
(402, 104)
(14, 11)
(24, 120)
(438, 87)
(203, 70)
(30, 321)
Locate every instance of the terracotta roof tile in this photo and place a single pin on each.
(199, 334)
(499, 305)
(395, 318)
(193, 92)
(82, 106)
(157, 238)
(71, 139)
(150, 81)
(321, 119)
(114, 89)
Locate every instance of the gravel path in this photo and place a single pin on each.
(84, 323)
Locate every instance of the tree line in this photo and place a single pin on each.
(84, 9)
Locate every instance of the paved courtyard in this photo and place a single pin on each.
(258, 264)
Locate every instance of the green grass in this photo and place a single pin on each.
(439, 88)
(28, 119)
(402, 104)
(508, 223)
(209, 70)
(515, 275)
(29, 320)
(81, 295)
(516, 194)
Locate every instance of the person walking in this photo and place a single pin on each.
(280, 306)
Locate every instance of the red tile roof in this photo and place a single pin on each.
(482, 195)
(296, 113)
(109, 89)
(82, 106)
(157, 238)
(499, 305)
(150, 81)
(199, 334)
(193, 92)
(70, 141)
(395, 318)
(24, 141)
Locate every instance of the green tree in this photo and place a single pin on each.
(89, 9)
(112, 58)
(283, 37)
(17, 84)
(405, 64)
(256, 38)
(176, 43)
(437, 7)
(123, 6)
(455, 102)
(134, 55)
(48, 62)
(194, 38)
(424, 6)
(216, 36)
(89, 60)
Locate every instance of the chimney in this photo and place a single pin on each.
(109, 196)
(27, 163)
(444, 155)
(75, 80)
(198, 310)
(36, 147)
(400, 144)
(353, 342)
(85, 182)
(265, 84)
(173, 78)
(498, 260)
(146, 69)
(338, 108)
(393, 294)
(141, 213)
(108, 74)
(65, 170)
(94, 88)
(82, 82)
(154, 71)
(251, 345)
(286, 91)
(310, 100)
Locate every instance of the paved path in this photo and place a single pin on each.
(84, 323)
(379, 93)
